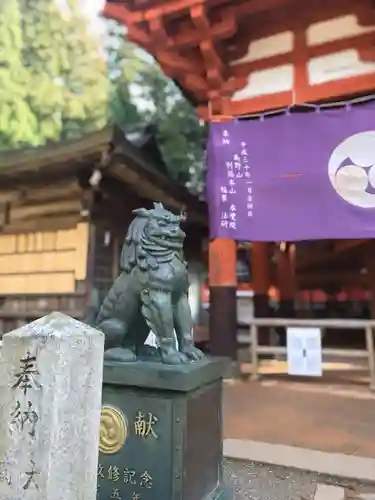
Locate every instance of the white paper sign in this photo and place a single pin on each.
(304, 352)
(153, 341)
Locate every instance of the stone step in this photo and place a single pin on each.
(326, 492)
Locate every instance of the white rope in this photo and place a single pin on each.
(316, 107)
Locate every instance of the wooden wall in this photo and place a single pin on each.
(43, 262)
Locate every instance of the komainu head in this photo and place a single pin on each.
(153, 236)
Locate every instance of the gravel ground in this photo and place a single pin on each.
(254, 481)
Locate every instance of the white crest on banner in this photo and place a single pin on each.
(351, 169)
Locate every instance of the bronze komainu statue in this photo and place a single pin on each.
(150, 293)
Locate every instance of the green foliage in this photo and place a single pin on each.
(59, 81)
(125, 62)
(181, 136)
(85, 78)
(64, 60)
(53, 76)
(17, 121)
(143, 95)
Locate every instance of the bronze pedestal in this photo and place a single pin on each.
(161, 432)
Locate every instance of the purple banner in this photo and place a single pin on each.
(292, 177)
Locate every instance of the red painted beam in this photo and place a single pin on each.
(157, 32)
(252, 7)
(225, 28)
(263, 25)
(179, 63)
(119, 12)
(300, 57)
(212, 62)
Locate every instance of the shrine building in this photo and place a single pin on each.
(64, 212)
(235, 58)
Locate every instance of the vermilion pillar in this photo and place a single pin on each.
(261, 278)
(370, 264)
(286, 283)
(223, 285)
(286, 279)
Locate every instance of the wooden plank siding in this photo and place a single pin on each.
(40, 272)
(43, 262)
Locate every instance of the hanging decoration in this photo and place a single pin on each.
(294, 176)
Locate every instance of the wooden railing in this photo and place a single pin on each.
(343, 324)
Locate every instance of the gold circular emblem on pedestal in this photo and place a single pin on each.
(113, 430)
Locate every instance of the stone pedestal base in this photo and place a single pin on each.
(161, 432)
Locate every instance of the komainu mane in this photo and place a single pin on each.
(150, 293)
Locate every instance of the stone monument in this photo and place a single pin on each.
(160, 429)
(50, 393)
